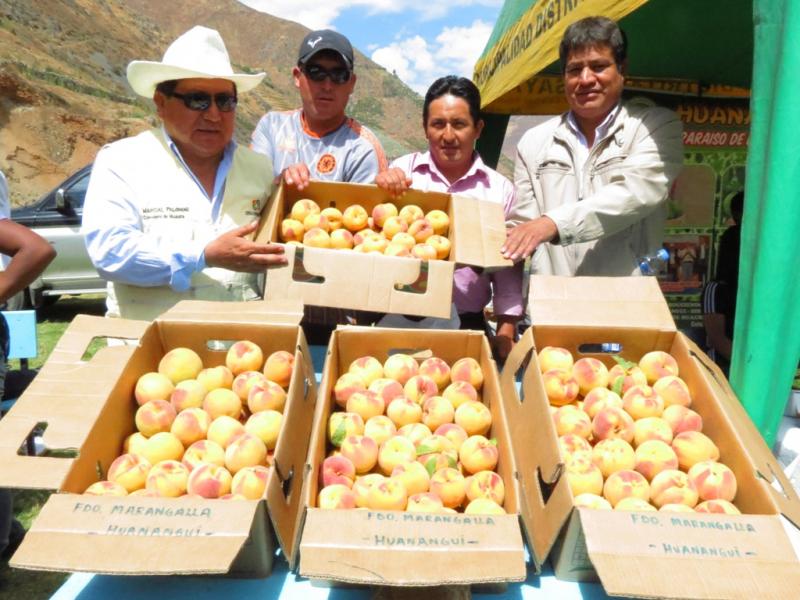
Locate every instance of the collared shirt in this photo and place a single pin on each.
(582, 148)
(472, 288)
(112, 226)
(351, 153)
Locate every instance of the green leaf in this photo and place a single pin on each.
(451, 460)
(422, 450)
(493, 441)
(430, 466)
(338, 436)
(617, 386)
(625, 364)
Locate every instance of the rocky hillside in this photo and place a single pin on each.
(63, 91)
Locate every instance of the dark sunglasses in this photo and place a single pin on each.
(202, 100)
(316, 73)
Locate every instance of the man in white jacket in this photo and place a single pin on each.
(592, 184)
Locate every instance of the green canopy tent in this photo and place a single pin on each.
(704, 49)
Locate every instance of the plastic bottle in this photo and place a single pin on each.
(654, 264)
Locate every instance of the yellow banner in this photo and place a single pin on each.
(531, 44)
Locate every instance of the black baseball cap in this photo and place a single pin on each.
(325, 39)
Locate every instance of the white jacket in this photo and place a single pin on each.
(616, 212)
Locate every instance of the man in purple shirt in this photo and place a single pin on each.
(452, 123)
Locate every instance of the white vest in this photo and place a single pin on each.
(172, 205)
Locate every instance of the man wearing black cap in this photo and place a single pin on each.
(319, 141)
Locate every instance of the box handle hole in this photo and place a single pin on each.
(546, 487)
(601, 348)
(299, 272)
(420, 286)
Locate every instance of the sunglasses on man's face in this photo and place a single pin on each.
(339, 75)
(200, 101)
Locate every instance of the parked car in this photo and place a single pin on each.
(57, 218)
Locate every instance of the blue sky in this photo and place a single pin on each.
(420, 40)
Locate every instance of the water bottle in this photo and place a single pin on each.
(654, 263)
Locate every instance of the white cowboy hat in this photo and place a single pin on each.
(198, 53)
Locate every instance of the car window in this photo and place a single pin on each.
(76, 193)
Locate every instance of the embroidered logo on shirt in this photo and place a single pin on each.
(326, 163)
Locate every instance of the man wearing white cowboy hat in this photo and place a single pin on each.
(169, 212)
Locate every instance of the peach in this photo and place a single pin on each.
(681, 418)
(436, 369)
(341, 239)
(394, 249)
(243, 356)
(467, 369)
(291, 230)
(570, 419)
(414, 477)
(278, 367)
(366, 404)
(394, 225)
(410, 213)
(168, 479)
(651, 428)
(368, 367)
(626, 484)
(179, 364)
(403, 411)
(439, 221)
(453, 432)
(387, 389)
(191, 425)
(657, 364)
(672, 486)
(363, 235)
(209, 481)
(202, 452)
(675, 508)
(266, 426)
(395, 451)
(433, 444)
(486, 484)
(583, 476)
(223, 430)
(421, 230)
(589, 373)
(560, 386)
(613, 454)
(374, 243)
(440, 244)
(354, 218)
(475, 417)
(362, 485)
(316, 220)
(266, 395)
(612, 422)
(483, 506)
(599, 398)
(215, 377)
(129, 471)
(641, 401)
(247, 450)
(153, 386)
(380, 428)
(719, 506)
(246, 381)
(404, 239)
(435, 461)
(425, 502)
(634, 505)
(154, 416)
(571, 443)
(337, 469)
(420, 387)
(692, 447)
(342, 424)
(163, 446)
(713, 480)
(460, 392)
(553, 357)
(345, 385)
(302, 208)
(316, 237)
(221, 402)
(673, 390)
(401, 368)
(336, 496)
(478, 454)
(416, 432)
(382, 212)
(134, 443)
(389, 494)
(450, 486)
(621, 379)
(654, 456)
(591, 501)
(362, 452)
(106, 488)
(250, 482)
(437, 411)
(189, 393)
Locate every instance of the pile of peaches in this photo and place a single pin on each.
(407, 231)
(203, 431)
(628, 437)
(411, 436)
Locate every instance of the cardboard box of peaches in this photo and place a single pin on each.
(179, 453)
(648, 474)
(352, 246)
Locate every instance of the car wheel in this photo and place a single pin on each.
(19, 301)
